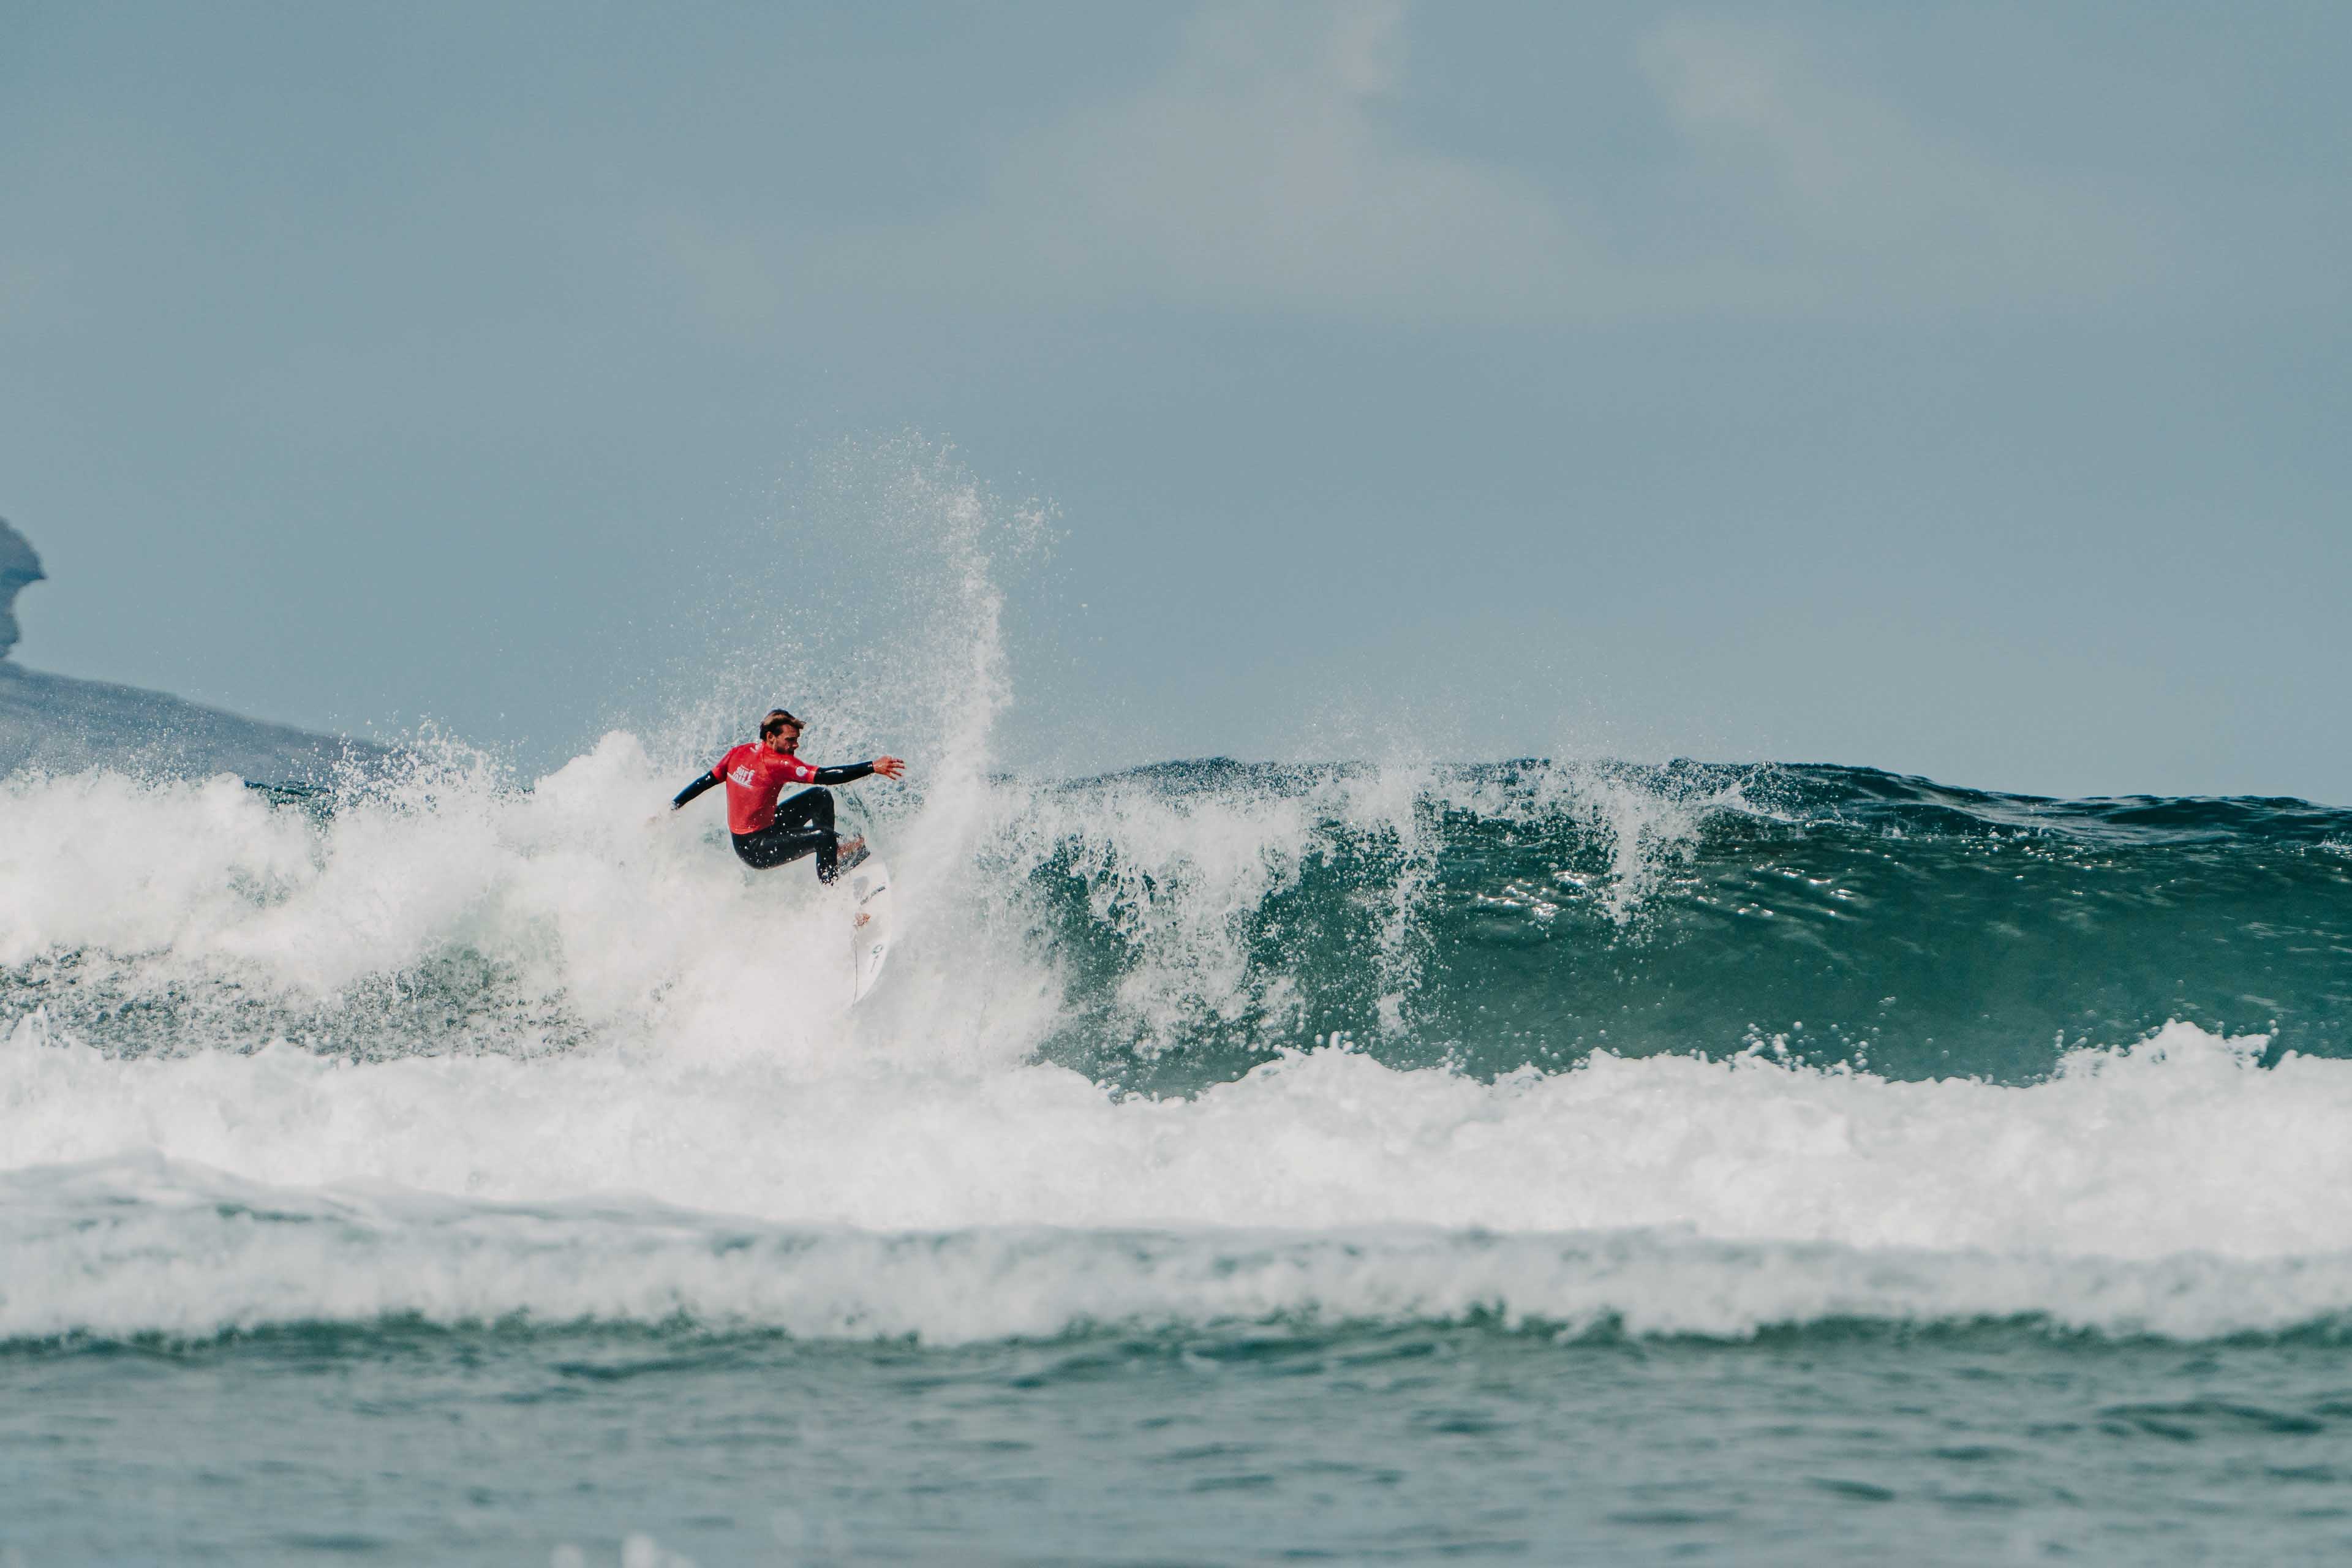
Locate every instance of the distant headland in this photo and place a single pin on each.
(60, 725)
(19, 568)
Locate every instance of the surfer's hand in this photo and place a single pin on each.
(888, 767)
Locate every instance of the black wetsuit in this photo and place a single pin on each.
(804, 824)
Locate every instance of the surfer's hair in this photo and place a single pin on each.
(776, 719)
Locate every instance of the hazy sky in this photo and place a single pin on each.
(1956, 389)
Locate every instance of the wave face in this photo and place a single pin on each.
(1680, 1048)
(1172, 928)
(1489, 917)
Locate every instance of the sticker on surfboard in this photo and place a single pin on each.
(869, 934)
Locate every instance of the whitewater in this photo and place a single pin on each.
(1389, 1125)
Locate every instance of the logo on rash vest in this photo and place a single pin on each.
(743, 777)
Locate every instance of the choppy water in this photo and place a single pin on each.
(1378, 1444)
(1388, 1162)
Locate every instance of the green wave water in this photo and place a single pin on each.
(1525, 913)
(1186, 922)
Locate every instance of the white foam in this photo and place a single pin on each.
(2180, 1152)
(1644, 826)
(583, 893)
(140, 1247)
(1178, 875)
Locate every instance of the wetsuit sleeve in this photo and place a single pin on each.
(706, 782)
(845, 773)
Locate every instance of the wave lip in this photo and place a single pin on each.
(141, 1248)
(1174, 927)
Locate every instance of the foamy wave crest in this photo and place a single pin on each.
(134, 1247)
(2179, 1171)
(1225, 912)
(444, 912)
(446, 907)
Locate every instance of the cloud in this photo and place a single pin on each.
(1255, 172)
(1824, 192)
(1261, 170)
(1258, 171)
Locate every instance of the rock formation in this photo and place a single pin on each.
(60, 725)
(18, 566)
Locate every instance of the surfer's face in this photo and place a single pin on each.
(784, 740)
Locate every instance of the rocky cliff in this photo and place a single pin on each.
(18, 566)
(61, 725)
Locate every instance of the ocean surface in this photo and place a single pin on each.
(1523, 1161)
(1400, 1161)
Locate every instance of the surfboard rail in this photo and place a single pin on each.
(869, 932)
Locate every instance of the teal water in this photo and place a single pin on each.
(1520, 1162)
(1839, 1443)
(1848, 914)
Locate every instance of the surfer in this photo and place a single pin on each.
(766, 834)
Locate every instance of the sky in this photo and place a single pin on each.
(1958, 389)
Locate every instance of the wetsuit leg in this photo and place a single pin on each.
(803, 824)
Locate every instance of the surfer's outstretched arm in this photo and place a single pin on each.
(707, 781)
(888, 767)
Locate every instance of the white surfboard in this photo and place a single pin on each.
(869, 934)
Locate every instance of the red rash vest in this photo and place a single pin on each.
(755, 776)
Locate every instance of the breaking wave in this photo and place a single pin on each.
(1659, 1048)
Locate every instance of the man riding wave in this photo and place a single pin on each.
(767, 834)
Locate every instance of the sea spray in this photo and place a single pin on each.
(872, 603)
